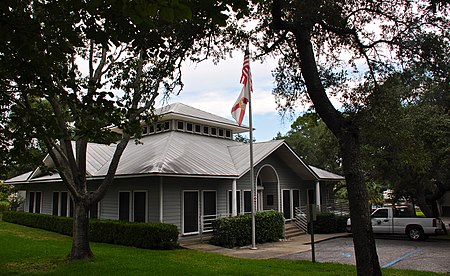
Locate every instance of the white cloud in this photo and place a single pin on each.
(214, 88)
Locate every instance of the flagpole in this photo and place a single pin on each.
(238, 111)
(252, 173)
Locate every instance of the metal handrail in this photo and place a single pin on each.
(300, 219)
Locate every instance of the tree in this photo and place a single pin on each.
(406, 133)
(318, 42)
(61, 61)
(310, 138)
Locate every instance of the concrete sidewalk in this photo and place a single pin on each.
(267, 250)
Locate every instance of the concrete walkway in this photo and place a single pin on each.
(267, 250)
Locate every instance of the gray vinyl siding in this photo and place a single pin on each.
(173, 188)
(222, 196)
(110, 202)
(270, 188)
(287, 178)
(46, 195)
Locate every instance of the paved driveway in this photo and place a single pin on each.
(394, 252)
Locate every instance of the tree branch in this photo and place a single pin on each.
(278, 22)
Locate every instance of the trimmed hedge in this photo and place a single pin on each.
(237, 231)
(328, 223)
(152, 235)
(4, 206)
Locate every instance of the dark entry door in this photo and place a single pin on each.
(190, 216)
(287, 204)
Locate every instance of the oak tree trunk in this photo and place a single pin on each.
(80, 242)
(363, 239)
(348, 136)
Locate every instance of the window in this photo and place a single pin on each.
(34, 203)
(205, 130)
(180, 125)
(159, 127)
(197, 128)
(247, 201)
(382, 213)
(124, 206)
(221, 132)
(139, 206)
(404, 212)
(144, 130)
(55, 204)
(151, 129)
(189, 127)
(62, 204)
(213, 131)
(228, 134)
(167, 125)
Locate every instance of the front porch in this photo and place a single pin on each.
(293, 227)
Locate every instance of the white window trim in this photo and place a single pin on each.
(203, 130)
(186, 127)
(59, 202)
(223, 132)
(180, 129)
(195, 129)
(34, 205)
(210, 131)
(182, 213)
(230, 132)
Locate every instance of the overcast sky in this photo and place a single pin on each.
(215, 88)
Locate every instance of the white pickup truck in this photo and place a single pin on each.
(390, 220)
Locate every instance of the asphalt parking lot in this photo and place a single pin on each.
(394, 252)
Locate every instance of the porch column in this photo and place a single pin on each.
(318, 203)
(233, 199)
(161, 203)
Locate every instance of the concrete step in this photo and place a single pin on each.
(291, 230)
(194, 239)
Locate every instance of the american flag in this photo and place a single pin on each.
(238, 109)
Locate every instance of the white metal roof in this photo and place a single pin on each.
(177, 153)
(20, 178)
(326, 175)
(181, 111)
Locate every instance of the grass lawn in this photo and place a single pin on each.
(25, 250)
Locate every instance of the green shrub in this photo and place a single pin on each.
(328, 223)
(152, 235)
(4, 206)
(237, 231)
